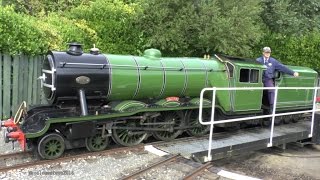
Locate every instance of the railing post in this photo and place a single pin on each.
(209, 158)
(273, 116)
(201, 105)
(314, 108)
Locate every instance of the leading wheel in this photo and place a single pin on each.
(97, 142)
(51, 146)
(169, 120)
(192, 119)
(126, 136)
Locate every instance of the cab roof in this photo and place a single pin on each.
(247, 62)
(243, 62)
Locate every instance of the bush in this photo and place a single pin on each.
(29, 35)
(114, 23)
(296, 50)
(192, 28)
(36, 7)
(19, 33)
(61, 30)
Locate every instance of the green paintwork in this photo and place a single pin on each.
(175, 78)
(124, 79)
(247, 100)
(165, 103)
(295, 98)
(153, 77)
(129, 105)
(196, 79)
(218, 79)
(196, 101)
(152, 54)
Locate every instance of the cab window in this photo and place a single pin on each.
(249, 75)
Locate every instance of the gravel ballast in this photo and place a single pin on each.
(93, 167)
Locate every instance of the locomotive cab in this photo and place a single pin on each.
(246, 73)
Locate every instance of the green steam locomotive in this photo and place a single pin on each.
(95, 97)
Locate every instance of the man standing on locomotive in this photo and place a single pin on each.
(272, 65)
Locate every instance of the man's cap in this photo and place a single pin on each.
(266, 49)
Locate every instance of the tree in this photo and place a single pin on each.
(291, 17)
(113, 21)
(19, 33)
(292, 31)
(191, 28)
(35, 7)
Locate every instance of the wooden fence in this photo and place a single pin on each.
(19, 82)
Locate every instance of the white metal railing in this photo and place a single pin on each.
(212, 122)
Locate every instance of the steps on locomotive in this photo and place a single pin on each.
(241, 141)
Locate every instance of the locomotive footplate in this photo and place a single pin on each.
(242, 141)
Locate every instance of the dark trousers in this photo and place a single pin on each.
(270, 83)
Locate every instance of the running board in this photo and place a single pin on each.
(239, 142)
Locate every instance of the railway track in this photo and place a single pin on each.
(173, 158)
(14, 155)
(137, 148)
(198, 171)
(152, 166)
(114, 151)
(10, 159)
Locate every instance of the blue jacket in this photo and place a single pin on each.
(273, 65)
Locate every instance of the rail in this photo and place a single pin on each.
(212, 122)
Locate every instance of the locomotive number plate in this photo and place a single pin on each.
(83, 80)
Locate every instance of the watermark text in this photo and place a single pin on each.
(50, 173)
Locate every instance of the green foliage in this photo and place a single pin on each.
(191, 28)
(237, 27)
(35, 7)
(296, 50)
(176, 27)
(19, 33)
(61, 30)
(29, 35)
(113, 20)
(168, 26)
(291, 17)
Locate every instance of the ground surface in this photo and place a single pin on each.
(274, 163)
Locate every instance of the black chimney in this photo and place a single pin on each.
(75, 49)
